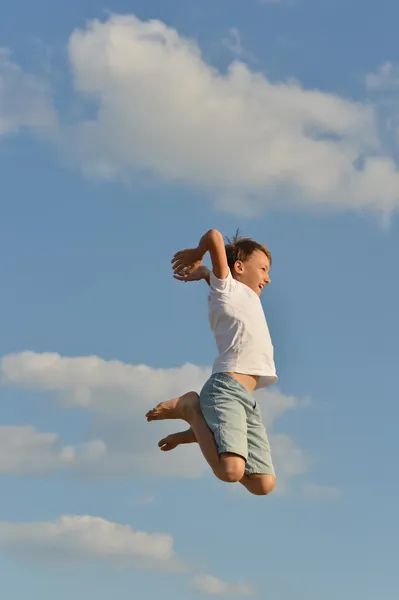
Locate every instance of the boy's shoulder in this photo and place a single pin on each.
(224, 286)
(232, 289)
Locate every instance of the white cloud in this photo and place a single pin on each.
(77, 539)
(162, 108)
(289, 459)
(80, 539)
(118, 395)
(79, 379)
(321, 492)
(273, 404)
(207, 584)
(385, 80)
(253, 143)
(25, 100)
(24, 450)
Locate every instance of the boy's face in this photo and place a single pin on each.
(254, 272)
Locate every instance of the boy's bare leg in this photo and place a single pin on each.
(259, 484)
(176, 439)
(186, 407)
(227, 467)
(183, 407)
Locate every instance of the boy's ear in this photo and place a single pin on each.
(238, 266)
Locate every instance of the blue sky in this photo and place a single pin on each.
(121, 144)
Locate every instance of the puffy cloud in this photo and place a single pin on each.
(161, 107)
(25, 100)
(212, 586)
(253, 143)
(77, 539)
(23, 450)
(117, 395)
(79, 380)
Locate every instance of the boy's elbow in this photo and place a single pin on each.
(214, 235)
(212, 242)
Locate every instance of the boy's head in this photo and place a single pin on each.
(249, 262)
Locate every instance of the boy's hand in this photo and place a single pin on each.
(187, 261)
(200, 273)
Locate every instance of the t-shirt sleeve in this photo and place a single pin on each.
(222, 285)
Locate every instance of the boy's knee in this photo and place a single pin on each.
(229, 475)
(262, 485)
(193, 398)
(231, 469)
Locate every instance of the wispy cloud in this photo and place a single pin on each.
(212, 586)
(235, 44)
(81, 539)
(24, 450)
(383, 87)
(25, 100)
(385, 79)
(73, 540)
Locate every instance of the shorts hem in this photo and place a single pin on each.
(227, 450)
(260, 471)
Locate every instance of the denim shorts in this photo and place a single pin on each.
(234, 417)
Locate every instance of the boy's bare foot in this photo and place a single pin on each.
(177, 408)
(175, 439)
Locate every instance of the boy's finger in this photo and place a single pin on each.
(183, 268)
(177, 256)
(177, 266)
(181, 278)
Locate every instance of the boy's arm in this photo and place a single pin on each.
(187, 261)
(213, 243)
(207, 275)
(201, 273)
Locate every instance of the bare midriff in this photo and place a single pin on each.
(248, 381)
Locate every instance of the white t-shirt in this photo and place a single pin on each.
(242, 336)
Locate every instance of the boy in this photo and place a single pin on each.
(225, 419)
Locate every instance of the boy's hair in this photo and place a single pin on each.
(241, 248)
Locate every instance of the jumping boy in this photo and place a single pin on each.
(225, 418)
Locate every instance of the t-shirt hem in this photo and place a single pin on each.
(231, 369)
